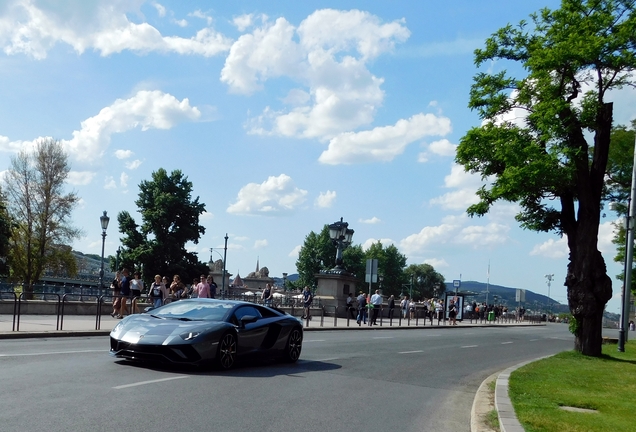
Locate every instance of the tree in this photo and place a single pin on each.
(170, 219)
(619, 182)
(427, 283)
(41, 211)
(391, 265)
(317, 253)
(5, 233)
(573, 57)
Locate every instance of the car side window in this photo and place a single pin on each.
(246, 310)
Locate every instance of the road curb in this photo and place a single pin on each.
(481, 399)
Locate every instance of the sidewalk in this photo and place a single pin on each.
(34, 326)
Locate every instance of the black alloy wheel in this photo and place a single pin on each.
(294, 345)
(226, 357)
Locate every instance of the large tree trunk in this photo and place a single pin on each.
(589, 289)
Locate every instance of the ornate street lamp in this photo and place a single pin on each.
(284, 281)
(341, 236)
(224, 258)
(103, 219)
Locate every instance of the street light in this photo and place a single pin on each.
(341, 236)
(285, 282)
(224, 258)
(103, 219)
(550, 278)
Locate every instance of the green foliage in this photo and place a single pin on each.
(427, 283)
(40, 209)
(532, 146)
(5, 232)
(573, 325)
(170, 219)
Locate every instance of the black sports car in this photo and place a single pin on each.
(204, 331)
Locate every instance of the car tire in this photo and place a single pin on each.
(226, 355)
(294, 346)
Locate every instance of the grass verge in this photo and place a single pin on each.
(606, 384)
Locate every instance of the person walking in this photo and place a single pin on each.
(308, 298)
(391, 306)
(125, 293)
(157, 292)
(376, 301)
(362, 308)
(268, 295)
(452, 312)
(115, 286)
(404, 305)
(136, 287)
(203, 288)
(177, 289)
(213, 286)
(351, 306)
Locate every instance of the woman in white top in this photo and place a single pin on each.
(136, 287)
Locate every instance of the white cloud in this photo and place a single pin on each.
(328, 53)
(146, 109)
(443, 148)
(383, 143)
(465, 183)
(161, 10)
(207, 216)
(32, 28)
(295, 251)
(110, 183)
(325, 199)
(436, 262)
(274, 195)
(554, 249)
(80, 178)
(134, 164)
(181, 22)
(259, 244)
(428, 235)
(123, 154)
(483, 235)
(202, 15)
(123, 179)
(245, 21)
(372, 221)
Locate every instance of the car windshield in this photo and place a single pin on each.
(195, 311)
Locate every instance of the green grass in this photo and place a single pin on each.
(606, 384)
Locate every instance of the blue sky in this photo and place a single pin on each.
(285, 116)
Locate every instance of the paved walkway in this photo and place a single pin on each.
(71, 325)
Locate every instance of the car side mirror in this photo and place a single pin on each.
(247, 319)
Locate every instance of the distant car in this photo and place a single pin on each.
(207, 331)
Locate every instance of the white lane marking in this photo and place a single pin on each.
(533, 340)
(383, 337)
(410, 352)
(52, 353)
(314, 340)
(325, 359)
(149, 382)
(470, 346)
(506, 343)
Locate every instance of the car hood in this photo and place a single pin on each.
(146, 329)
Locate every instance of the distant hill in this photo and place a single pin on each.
(476, 291)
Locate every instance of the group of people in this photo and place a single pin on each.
(482, 312)
(124, 289)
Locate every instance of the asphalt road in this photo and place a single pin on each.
(384, 380)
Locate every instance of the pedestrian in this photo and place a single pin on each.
(439, 311)
(157, 292)
(404, 305)
(362, 308)
(412, 309)
(350, 306)
(452, 312)
(203, 288)
(376, 301)
(391, 306)
(308, 298)
(177, 289)
(631, 326)
(115, 286)
(213, 286)
(136, 287)
(125, 293)
(268, 295)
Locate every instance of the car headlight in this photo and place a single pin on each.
(189, 335)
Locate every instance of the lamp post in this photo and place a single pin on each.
(117, 258)
(380, 279)
(224, 258)
(285, 282)
(550, 278)
(340, 235)
(103, 219)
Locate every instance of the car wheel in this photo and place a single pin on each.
(294, 345)
(226, 357)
